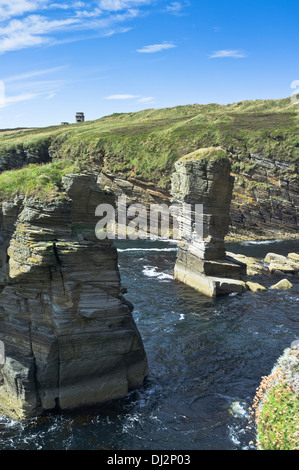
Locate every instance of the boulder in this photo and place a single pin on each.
(282, 285)
(253, 265)
(255, 286)
(294, 256)
(275, 257)
(279, 264)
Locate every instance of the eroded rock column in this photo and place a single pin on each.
(203, 177)
(69, 335)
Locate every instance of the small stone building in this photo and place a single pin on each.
(80, 117)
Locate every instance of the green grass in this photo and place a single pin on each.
(205, 154)
(44, 181)
(278, 421)
(146, 144)
(275, 410)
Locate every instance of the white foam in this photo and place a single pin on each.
(146, 249)
(237, 409)
(260, 242)
(151, 271)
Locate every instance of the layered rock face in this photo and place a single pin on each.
(265, 197)
(69, 335)
(203, 177)
(21, 156)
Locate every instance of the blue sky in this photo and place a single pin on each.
(107, 56)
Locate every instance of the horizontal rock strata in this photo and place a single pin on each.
(69, 335)
(203, 177)
(265, 198)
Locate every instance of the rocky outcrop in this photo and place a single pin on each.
(69, 335)
(282, 285)
(24, 155)
(203, 177)
(275, 406)
(265, 198)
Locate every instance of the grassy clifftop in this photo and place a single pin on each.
(146, 144)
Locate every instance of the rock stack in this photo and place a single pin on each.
(203, 177)
(69, 335)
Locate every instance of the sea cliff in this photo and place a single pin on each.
(69, 335)
(260, 137)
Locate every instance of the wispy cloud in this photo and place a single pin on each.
(152, 48)
(121, 97)
(117, 5)
(30, 31)
(176, 8)
(147, 99)
(34, 73)
(17, 99)
(9, 8)
(32, 23)
(236, 54)
(26, 86)
(140, 99)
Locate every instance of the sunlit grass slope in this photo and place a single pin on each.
(145, 145)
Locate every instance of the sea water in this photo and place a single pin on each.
(206, 358)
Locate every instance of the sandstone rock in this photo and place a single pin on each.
(255, 286)
(70, 338)
(253, 265)
(275, 257)
(282, 264)
(283, 284)
(294, 256)
(229, 286)
(206, 180)
(203, 177)
(286, 268)
(265, 200)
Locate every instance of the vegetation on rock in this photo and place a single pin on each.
(275, 408)
(44, 181)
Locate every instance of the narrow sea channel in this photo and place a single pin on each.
(206, 358)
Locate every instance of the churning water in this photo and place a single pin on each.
(206, 359)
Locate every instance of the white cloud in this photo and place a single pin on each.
(34, 73)
(11, 8)
(140, 99)
(25, 86)
(17, 99)
(31, 23)
(50, 96)
(146, 99)
(88, 14)
(30, 31)
(177, 7)
(117, 5)
(61, 6)
(236, 54)
(121, 97)
(20, 41)
(152, 48)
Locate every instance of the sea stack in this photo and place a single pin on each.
(203, 177)
(69, 335)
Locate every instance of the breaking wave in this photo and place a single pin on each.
(151, 271)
